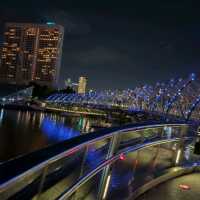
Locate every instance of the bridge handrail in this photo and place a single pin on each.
(109, 161)
(83, 140)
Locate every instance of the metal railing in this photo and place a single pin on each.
(89, 159)
(120, 191)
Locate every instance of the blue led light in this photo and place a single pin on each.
(193, 76)
(163, 97)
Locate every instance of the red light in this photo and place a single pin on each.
(122, 156)
(184, 187)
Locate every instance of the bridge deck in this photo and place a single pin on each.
(171, 189)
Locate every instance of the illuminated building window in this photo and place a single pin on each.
(36, 54)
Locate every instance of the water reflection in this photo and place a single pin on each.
(41, 118)
(56, 131)
(22, 132)
(84, 125)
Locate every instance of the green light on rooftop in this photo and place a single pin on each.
(50, 23)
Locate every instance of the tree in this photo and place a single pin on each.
(41, 91)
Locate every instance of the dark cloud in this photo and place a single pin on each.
(74, 24)
(101, 55)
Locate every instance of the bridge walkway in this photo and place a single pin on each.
(171, 190)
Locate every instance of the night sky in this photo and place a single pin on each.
(119, 44)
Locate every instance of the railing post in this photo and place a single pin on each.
(106, 173)
(41, 183)
(83, 161)
(76, 193)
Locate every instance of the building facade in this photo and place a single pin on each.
(31, 53)
(82, 85)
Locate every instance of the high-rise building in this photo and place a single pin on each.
(82, 85)
(31, 52)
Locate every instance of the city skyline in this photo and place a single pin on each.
(120, 46)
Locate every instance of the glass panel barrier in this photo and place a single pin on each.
(60, 175)
(65, 172)
(129, 138)
(145, 165)
(125, 175)
(89, 190)
(152, 133)
(137, 168)
(29, 187)
(166, 156)
(178, 131)
(95, 154)
(122, 173)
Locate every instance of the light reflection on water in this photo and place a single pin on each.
(57, 131)
(22, 131)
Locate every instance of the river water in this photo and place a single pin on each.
(24, 132)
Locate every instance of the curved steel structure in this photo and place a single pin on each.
(194, 109)
(100, 165)
(174, 97)
(178, 93)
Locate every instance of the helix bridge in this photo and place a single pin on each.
(179, 97)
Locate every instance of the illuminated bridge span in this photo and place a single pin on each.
(117, 163)
(180, 97)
